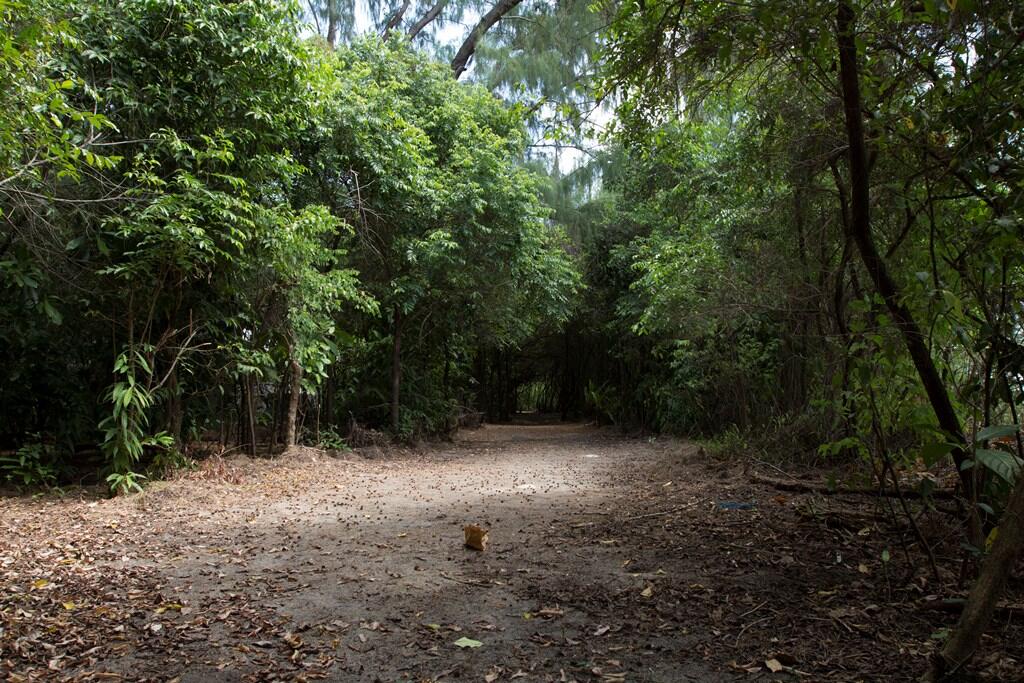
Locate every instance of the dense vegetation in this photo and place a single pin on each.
(822, 205)
(214, 226)
(804, 223)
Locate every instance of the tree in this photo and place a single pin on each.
(161, 235)
(902, 92)
(446, 220)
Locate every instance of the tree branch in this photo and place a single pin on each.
(395, 20)
(462, 57)
(874, 264)
(431, 14)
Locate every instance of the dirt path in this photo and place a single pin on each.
(610, 560)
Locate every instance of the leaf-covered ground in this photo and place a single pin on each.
(610, 559)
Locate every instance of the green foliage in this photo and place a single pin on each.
(242, 225)
(736, 196)
(42, 130)
(730, 444)
(331, 440)
(1005, 465)
(125, 483)
(33, 465)
(124, 430)
(450, 238)
(167, 460)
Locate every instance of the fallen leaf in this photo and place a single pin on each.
(467, 642)
(166, 606)
(647, 592)
(774, 665)
(476, 536)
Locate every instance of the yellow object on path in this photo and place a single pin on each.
(476, 537)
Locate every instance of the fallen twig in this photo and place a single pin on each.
(808, 487)
(467, 582)
(678, 508)
(956, 605)
(748, 626)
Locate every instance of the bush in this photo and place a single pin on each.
(33, 465)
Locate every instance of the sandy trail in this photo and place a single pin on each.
(352, 568)
(610, 560)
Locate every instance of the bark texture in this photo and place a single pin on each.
(982, 600)
(332, 25)
(425, 20)
(396, 371)
(462, 57)
(395, 19)
(294, 393)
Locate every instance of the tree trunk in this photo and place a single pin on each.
(431, 14)
(395, 20)
(461, 60)
(294, 394)
(566, 389)
(175, 408)
(446, 378)
(981, 603)
(329, 399)
(250, 405)
(396, 371)
(242, 390)
(482, 397)
(860, 229)
(278, 412)
(332, 23)
(511, 390)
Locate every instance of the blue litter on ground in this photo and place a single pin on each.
(733, 505)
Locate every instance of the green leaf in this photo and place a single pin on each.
(934, 451)
(52, 313)
(995, 432)
(1000, 462)
(467, 642)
